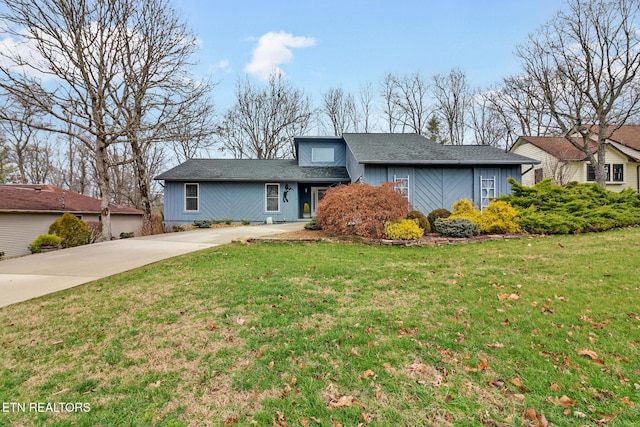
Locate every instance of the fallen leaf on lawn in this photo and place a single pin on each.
(281, 420)
(305, 422)
(417, 366)
(341, 402)
(365, 417)
(387, 367)
(366, 374)
(539, 419)
(230, 420)
(482, 365)
(354, 352)
(564, 400)
(547, 307)
(628, 402)
(241, 321)
(495, 345)
(555, 386)
(579, 414)
(513, 297)
(592, 354)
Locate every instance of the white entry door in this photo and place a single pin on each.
(317, 194)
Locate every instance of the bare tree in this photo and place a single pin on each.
(339, 108)
(264, 120)
(585, 64)
(21, 138)
(486, 123)
(365, 101)
(390, 110)
(93, 68)
(453, 98)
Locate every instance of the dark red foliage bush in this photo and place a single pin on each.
(360, 209)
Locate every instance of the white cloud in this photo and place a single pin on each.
(274, 49)
(220, 66)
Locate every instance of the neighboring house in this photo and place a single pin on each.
(27, 211)
(564, 163)
(431, 176)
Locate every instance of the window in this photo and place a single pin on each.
(402, 186)
(272, 197)
(191, 192)
(322, 155)
(618, 172)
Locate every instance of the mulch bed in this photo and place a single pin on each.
(427, 240)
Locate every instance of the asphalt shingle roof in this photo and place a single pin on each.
(48, 198)
(252, 170)
(413, 149)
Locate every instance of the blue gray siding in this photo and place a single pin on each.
(236, 200)
(305, 149)
(355, 169)
(440, 187)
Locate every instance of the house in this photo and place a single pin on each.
(563, 162)
(27, 211)
(429, 174)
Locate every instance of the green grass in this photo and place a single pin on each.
(496, 333)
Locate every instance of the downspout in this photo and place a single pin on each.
(533, 166)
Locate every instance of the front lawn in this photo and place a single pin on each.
(519, 332)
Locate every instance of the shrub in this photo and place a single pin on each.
(456, 227)
(155, 225)
(95, 228)
(44, 240)
(437, 213)
(360, 209)
(73, 230)
(547, 208)
(202, 223)
(245, 221)
(403, 229)
(499, 217)
(1, 254)
(423, 221)
(126, 234)
(464, 208)
(227, 221)
(312, 225)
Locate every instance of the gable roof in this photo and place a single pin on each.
(252, 170)
(560, 148)
(48, 198)
(414, 149)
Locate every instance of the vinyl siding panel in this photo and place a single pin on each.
(305, 150)
(355, 169)
(441, 187)
(18, 230)
(375, 174)
(235, 200)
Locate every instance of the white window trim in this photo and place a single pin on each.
(266, 205)
(319, 150)
(197, 197)
(408, 186)
(610, 167)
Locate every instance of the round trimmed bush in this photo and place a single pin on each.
(73, 230)
(403, 229)
(423, 221)
(437, 213)
(44, 240)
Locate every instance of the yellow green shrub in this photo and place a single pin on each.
(404, 229)
(464, 208)
(499, 217)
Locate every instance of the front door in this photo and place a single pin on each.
(317, 194)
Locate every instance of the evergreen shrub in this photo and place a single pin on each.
(456, 227)
(423, 221)
(44, 240)
(73, 230)
(547, 208)
(403, 229)
(437, 213)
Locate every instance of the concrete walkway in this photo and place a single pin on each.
(35, 275)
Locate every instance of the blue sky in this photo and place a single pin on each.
(324, 44)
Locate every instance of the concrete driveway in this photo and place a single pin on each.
(35, 275)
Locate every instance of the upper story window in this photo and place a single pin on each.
(322, 155)
(191, 197)
(618, 172)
